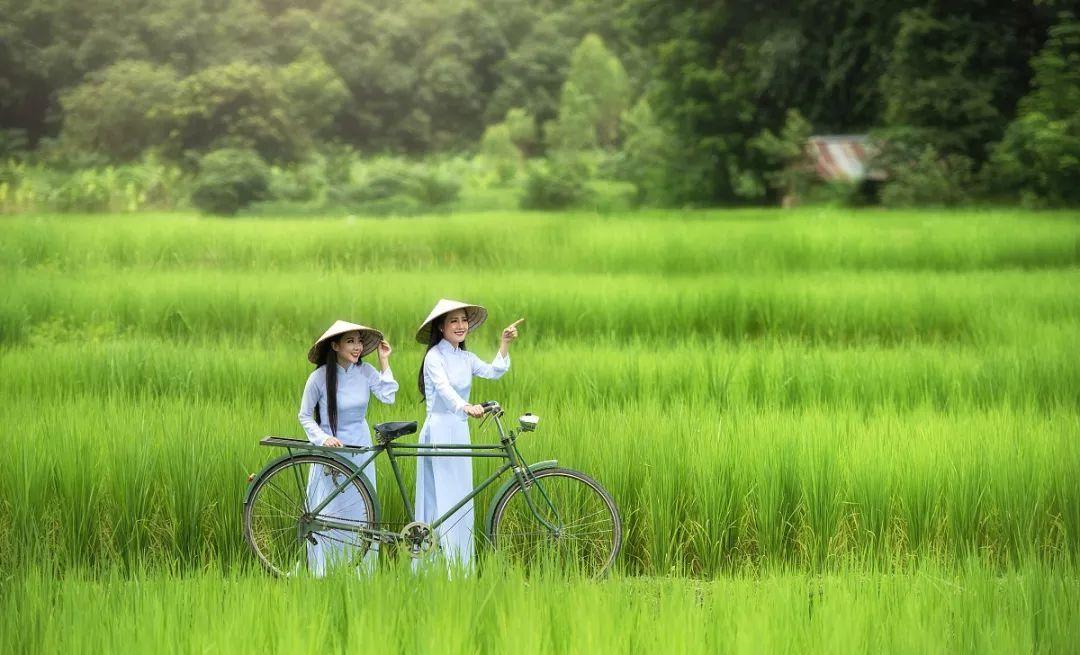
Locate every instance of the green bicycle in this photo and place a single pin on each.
(540, 513)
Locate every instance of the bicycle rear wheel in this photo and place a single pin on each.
(587, 531)
(281, 504)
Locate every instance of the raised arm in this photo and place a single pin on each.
(492, 371)
(383, 385)
(501, 363)
(308, 400)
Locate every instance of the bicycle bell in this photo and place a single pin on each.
(528, 421)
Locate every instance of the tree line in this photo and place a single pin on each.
(691, 102)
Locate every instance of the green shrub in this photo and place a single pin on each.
(790, 172)
(606, 196)
(929, 179)
(555, 184)
(83, 191)
(26, 187)
(379, 185)
(498, 151)
(522, 127)
(649, 155)
(230, 179)
(437, 188)
(386, 187)
(13, 143)
(299, 183)
(838, 193)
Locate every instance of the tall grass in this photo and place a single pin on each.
(128, 479)
(658, 243)
(781, 374)
(759, 391)
(832, 308)
(970, 609)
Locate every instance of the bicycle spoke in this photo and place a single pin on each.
(264, 515)
(580, 535)
(299, 482)
(289, 499)
(272, 531)
(460, 515)
(601, 511)
(578, 526)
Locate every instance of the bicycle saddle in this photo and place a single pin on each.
(387, 432)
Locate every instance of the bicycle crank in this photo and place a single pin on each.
(419, 538)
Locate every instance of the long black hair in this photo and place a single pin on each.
(434, 337)
(330, 364)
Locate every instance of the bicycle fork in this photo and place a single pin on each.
(527, 480)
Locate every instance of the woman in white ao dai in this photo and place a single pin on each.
(333, 412)
(445, 380)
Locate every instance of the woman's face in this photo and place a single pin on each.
(348, 348)
(455, 326)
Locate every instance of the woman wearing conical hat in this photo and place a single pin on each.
(333, 412)
(444, 381)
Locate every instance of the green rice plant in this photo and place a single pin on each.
(967, 608)
(657, 243)
(766, 375)
(815, 308)
(100, 479)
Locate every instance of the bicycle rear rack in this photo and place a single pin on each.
(304, 444)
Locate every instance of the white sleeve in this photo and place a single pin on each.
(311, 396)
(492, 371)
(435, 370)
(383, 385)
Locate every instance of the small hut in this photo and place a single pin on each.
(843, 158)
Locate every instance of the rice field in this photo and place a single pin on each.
(947, 611)
(826, 430)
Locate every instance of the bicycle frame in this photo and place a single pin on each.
(506, 450)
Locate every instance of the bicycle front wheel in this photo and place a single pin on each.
(581, 529)
(282, 530)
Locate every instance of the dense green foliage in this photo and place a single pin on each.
(1040, 153)
(26, 187)
(229, 179)
(970, 100)
(378, 75)
(557, 184)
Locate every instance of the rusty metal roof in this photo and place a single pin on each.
(843, 157)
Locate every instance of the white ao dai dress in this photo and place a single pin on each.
(356, 383)
(441, 482)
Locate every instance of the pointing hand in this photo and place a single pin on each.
(511, 332)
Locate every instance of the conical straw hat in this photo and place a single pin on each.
(475, 314)
(370, 337)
